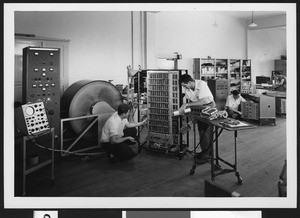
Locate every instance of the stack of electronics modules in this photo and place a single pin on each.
(164, 97)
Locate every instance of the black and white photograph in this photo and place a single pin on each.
(150, 106)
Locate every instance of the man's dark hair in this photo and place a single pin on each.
(277, 73)
(123, 108)
(235, 92)
(185, 78)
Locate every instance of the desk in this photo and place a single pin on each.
(218, 128)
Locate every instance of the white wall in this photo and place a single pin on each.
(266, 43)
(264, 46)
(193, 35)
(100, 42)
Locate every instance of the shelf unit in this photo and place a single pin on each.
(234, 81)
(221, 69)
(246, 76)
(236, 72)
(204, 68)
(219, 85)
(207, 68)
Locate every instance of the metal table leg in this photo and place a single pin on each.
(240, 180)
(212, 171)
(192, 171)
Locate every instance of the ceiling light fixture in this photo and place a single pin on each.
(252, 24)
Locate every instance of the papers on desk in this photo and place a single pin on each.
(233, 123)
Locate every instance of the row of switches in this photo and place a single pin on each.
(41, 85)
(43, 70)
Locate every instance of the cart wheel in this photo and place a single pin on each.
(240, 180)
(52, 182)
(192, 171)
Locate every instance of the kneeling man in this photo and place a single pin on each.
(118, 135)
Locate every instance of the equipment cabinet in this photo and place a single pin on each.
(259, 107)
(219, 88)
(280, 65)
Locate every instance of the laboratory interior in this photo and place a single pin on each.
(151, 103)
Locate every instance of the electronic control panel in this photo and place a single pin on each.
(32, 118)
(41, 81)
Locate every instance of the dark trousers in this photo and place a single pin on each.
(206, 132)
(206, 137)
(233, 114)
(125, 150)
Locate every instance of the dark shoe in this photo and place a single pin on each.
(202, 159)
(112, 159)
(205, 153)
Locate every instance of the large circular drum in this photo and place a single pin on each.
(87, 97)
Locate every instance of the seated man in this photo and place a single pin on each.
(233, 105)
(118, 136)
(281, 85)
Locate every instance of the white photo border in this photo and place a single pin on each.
(148, 202)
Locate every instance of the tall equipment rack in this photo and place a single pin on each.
(164, 97)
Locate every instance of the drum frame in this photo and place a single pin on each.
(65, 151)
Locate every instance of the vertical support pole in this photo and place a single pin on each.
(235, 152)
(132, 47)
(138, 109)
(24, 165)
(61, 136)
(212, 158)
(145, 40)
(217, 146)
(52, 155)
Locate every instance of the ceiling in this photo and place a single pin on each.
(248, 14)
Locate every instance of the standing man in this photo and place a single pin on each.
(233, 104)
(199, 95)
(118, 135)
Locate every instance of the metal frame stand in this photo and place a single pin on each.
(218, 158)
(215, 158)
(25, 171)
(63, 150)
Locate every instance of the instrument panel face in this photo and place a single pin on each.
(35, 116)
